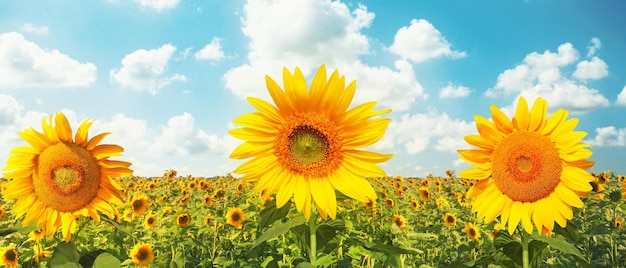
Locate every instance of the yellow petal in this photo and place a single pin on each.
(576, 179)
(567, 196)
(475, 173)
(553, 121)
(502, 122)
(278, 96)
(515, 216)
(324, 195)
(538, 115)
(521, 120)
(63, 128)
(479, 141)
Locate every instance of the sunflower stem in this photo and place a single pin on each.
(313, 238)
(525, 238)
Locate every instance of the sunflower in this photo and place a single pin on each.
(3, 211)
(414, 203)
(399, 221)
(473, 233)
(60, 178)
(309, 144)
(36, 235)
(207, 200)
(449, 219)
(370, 204)
(8, 256)
(235, 217)
(150, 221)
(529, 169)
(389, 202)
(139, 203)
(424, 193)
(208, 220)
(183, 220)
(141, 254)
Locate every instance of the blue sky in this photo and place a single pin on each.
(167, 77)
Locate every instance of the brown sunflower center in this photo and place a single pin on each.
(235, 217)
(11, 255)
(67, 177)
(526, 166)
(309, 144)
(143, 254)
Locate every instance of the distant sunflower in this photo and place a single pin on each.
(207, 200)
(59, 178)
(389, 202)
(424, 193)
(208, 220)
(370, 204)
(141, 254)
(309, 144)
(449, 219)
(183, 220)
(8, 256)
(414, 203)
(235, 217)
(36, 235)
(399, 221)
(3, 211)
(529, 169)
(150, 221)
(139, 204)
(473, 233)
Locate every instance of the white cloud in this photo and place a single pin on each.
(609, 137)
(23, 64)
(144, 70)
(459, 162)
(182, 138)
(594, 69)
(433, 130)
(452, 91)
(157, 5)
(421, 41)
(595, 45)
(34, 29)
(10, 109)
(540, 76)
(621, 98)
(312, 33)
(212, 51)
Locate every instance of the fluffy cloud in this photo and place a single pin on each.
(212, 51)
(452, 91)
(144, 70)
(540, 76)
(23, 64)
(157, 5)
(609, 137)
(421, 41)
(421, 132)
(10, 109)
(594, 69)
(34, 29)
(621, 98)
(595, 45)
(311, 33)
(190, 140)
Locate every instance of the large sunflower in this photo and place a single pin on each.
(309, 144)
(141, 254)
(529, 169)
(60, 178)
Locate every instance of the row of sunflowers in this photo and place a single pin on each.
(310, 195)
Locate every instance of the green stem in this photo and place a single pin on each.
(313, 238)
(525, 238)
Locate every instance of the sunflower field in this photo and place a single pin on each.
(311, 195)
(186, 221)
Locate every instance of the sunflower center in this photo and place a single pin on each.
(10, 255)
(142, 254)
(526, 166)
(67, 177)
(309, 144)
(235, 217)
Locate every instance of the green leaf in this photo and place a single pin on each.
(570, 232)
(383, 248)
(106, 260)
(271, 214)
(305, 265)
(278, 229)
(502, 238)
(559, 243)
(65, 255)
(7, 231)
